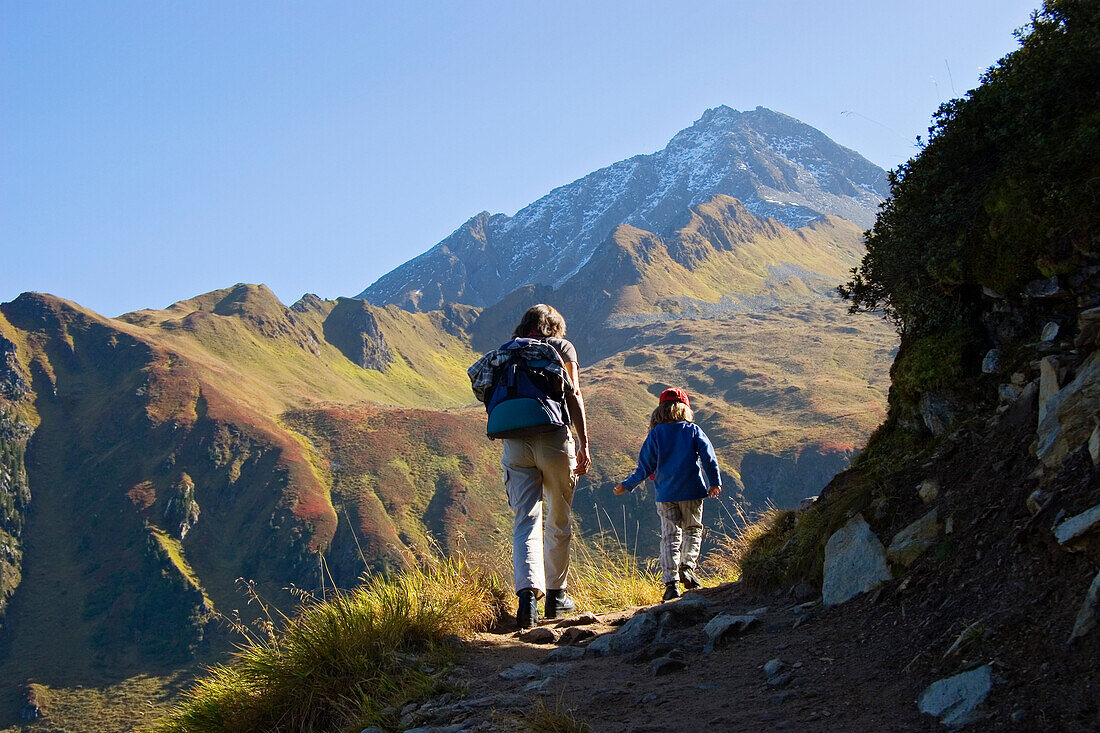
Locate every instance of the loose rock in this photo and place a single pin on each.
(564, 654)
(992, 361)
(1050, 331)
(666, 665)
(540, 687)
(574, 634)
(585, 619)
(911, 542)
(690, 607)
(634, 634)
(521, 671)
(780, 680)
(721, 627)
(955, 700)
(928, 490)
(1073, 529)
(772, 667)
(1069, 416)
(1035, 501)
(855, 562)
(540, 635)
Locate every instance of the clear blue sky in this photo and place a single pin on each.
(152, 150)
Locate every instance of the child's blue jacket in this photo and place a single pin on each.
(680, 458)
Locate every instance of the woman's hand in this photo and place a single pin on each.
(715, 491)
(619, 490)
(584, 461)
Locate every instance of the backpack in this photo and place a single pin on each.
(523, 385)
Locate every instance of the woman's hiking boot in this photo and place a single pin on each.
(527, 612)
(558, 603)
(687, 577)
(672, 592)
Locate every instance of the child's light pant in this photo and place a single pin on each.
(536, 468)
(681, 535)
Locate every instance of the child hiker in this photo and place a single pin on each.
(679, 457)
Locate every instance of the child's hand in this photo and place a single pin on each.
(715, 491)
(620, 489)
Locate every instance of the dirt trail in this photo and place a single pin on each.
(838, 678)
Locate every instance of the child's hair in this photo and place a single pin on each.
(671, 412)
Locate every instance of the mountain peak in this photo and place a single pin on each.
(777, 166)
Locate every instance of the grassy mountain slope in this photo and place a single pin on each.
(162, 465)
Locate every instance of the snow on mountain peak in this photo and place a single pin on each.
(776, 165)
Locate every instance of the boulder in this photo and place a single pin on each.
(1073, 529)
(1094, 445)
(1069, 416)
(911, 542)
(634, 634)
(855, 562)
(1089, 613)
(955, 700)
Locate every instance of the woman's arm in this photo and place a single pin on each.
(576, 413)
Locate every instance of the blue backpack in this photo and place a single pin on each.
(523, 385)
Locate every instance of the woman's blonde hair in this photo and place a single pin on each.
(542, 319)
(671, 412)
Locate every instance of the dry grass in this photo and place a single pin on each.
(345, 662)
(558, 719)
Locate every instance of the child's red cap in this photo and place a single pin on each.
(675, 395)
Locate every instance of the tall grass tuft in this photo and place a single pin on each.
(346, 662)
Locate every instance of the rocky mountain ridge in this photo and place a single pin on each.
(777, 166)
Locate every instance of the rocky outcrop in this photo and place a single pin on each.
(181, 511)
(353, 329)
(855, 562)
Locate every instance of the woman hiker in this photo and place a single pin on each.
(545, 467)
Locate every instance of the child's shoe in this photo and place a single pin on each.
(687, 577)
(672, 591)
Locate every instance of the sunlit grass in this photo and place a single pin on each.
(346, 661)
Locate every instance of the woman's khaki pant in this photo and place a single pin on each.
(539, 468)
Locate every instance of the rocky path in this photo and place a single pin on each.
(722, 658)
